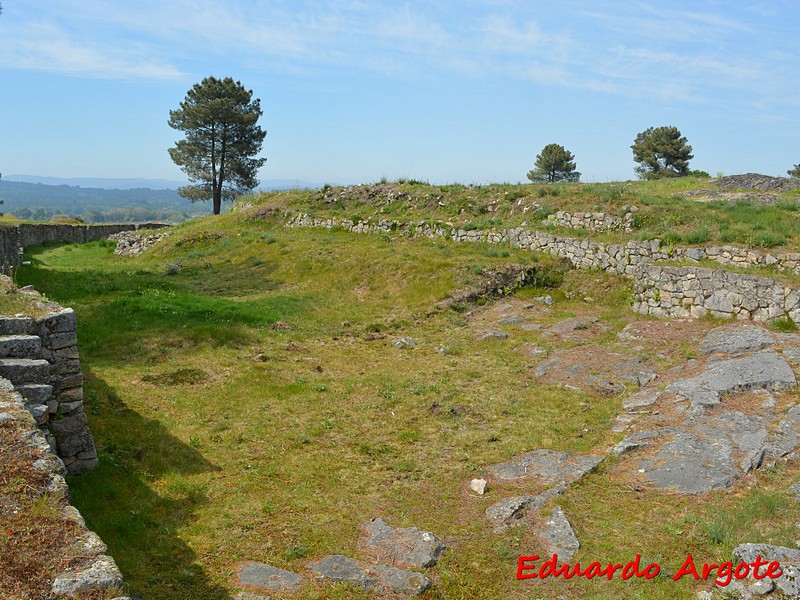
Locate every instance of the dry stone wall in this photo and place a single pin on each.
(598, 221)
(696, 292)
(583, 252)
(660, 290)
(14, 238)
(87, 570)
(39, 355)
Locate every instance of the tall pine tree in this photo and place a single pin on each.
(220, 120)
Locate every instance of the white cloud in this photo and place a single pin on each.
(44, 47)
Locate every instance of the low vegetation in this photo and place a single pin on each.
(251, 406)
(686, 210)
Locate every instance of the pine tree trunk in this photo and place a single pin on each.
(217, 199)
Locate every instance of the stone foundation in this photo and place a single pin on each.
(39, 355)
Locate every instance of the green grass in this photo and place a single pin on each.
(663, 210)
(252, 407)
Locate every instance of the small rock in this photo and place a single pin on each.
(795, 489)
(762, 587)
(512, 320)
(641, 399)
(506, 512)
(478, 486)
(495, 335)
(101, 573)
(547, 300)
(404, 342)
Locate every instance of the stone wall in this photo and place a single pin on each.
(39, 355)
(661, 291)
(14, 238)
(598, 221)
(584, 253)
(696, 292)
(85, 570)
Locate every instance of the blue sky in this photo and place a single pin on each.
(353, 91)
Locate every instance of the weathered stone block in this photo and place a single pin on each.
(56, 341)
(63, 321)
(15, 325)
(36, 393)
(72, 435)
(24, 370)
(70, 395)
(20, 346)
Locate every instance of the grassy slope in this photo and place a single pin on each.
(252, 408)
(663, 210)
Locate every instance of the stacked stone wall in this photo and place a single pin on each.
(598, 221)
(86, 570)
(659, 290)
(14, 238)
(696, 292)
(40, 356)
(584, 253)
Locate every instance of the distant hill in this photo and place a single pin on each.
(153, 184)
(41, 202)
(106, 200)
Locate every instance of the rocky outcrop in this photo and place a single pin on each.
(706, 429)
(380, 579)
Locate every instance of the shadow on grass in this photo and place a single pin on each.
(120, 502)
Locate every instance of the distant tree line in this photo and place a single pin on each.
(42, 202)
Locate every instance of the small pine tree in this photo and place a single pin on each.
(554, 164)
(795, 172)
(661, 152)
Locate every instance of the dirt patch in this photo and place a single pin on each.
(596, 368)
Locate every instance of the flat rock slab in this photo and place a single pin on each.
(510, 511)
(789, 559)
(265, 576)
(760, 371)
(559, 537)
(735, 339)
(377, 578)
(408, 547)
(691, 465)
(20, 346)
(548, 466)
